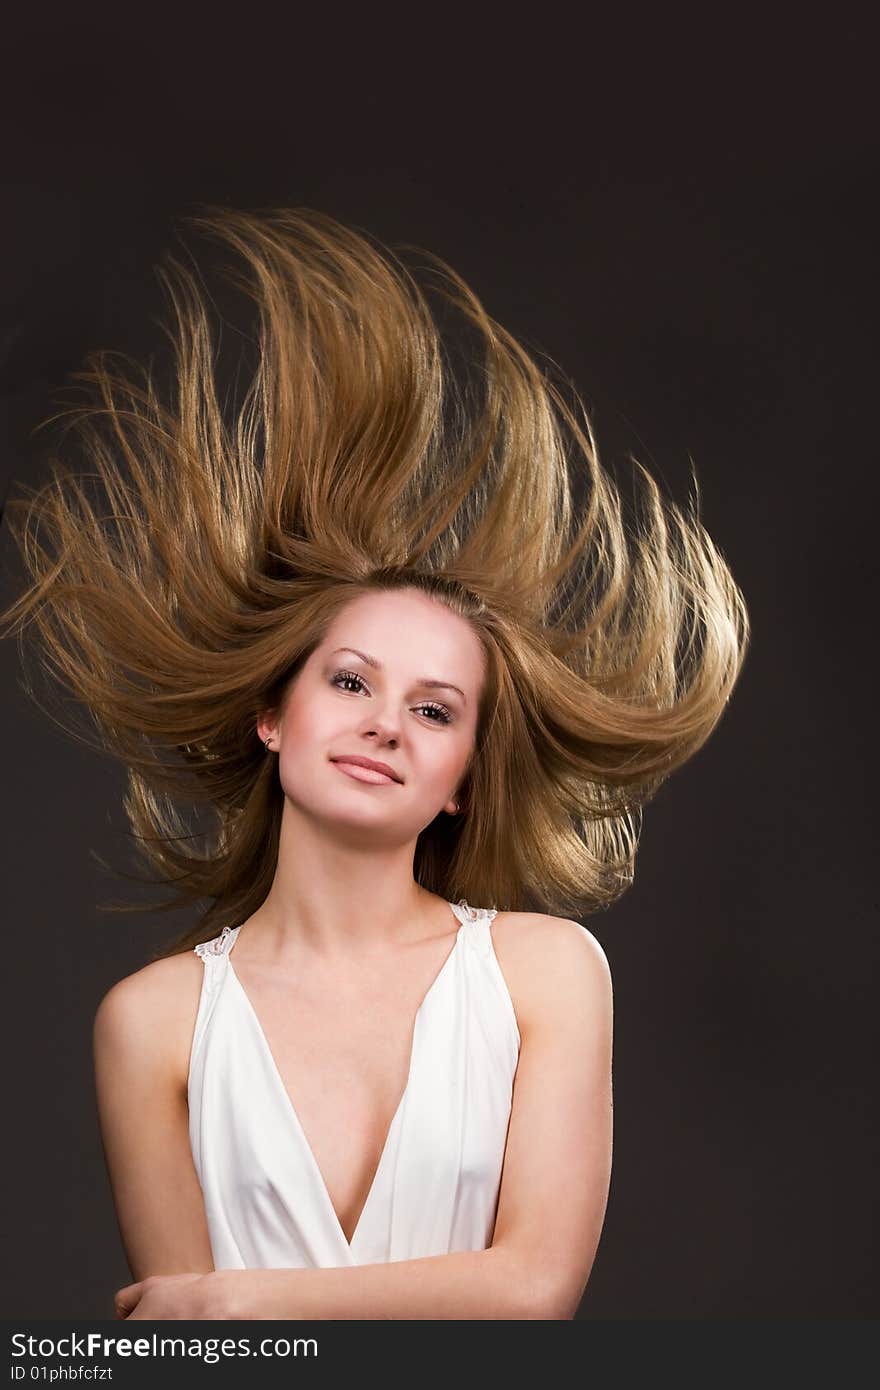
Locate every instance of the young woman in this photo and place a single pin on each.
(388, 625)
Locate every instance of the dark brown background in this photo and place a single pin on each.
(682, 216)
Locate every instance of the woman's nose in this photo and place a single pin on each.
(383, 724)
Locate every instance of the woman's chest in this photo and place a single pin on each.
(344, 1065)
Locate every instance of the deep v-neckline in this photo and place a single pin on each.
(276, 1072)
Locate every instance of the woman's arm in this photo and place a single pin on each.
(554, 1186)
(142, 1032)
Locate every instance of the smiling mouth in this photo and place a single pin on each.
(363, 774)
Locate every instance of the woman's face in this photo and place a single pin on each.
(386, 708)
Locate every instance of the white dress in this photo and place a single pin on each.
(436, 1187)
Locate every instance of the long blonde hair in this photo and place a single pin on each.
(182, 599)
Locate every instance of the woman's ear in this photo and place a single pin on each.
(267, 727)
(456, 803)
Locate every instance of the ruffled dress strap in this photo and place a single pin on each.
(478, 918)
(214, 956)
(219, 945)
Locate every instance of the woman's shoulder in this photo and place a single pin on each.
(161, 982)
(527, 938)
(153, 1010)
(540, 955)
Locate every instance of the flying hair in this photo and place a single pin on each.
(392, 435)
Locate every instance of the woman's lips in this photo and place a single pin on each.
(362, 774)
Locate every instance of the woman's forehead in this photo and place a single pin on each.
(403, 637)
(390, 624)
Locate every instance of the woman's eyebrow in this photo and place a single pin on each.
(425, 681)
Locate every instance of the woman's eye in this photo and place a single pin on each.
(441, 710)
(346, 676)
(439, 713)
